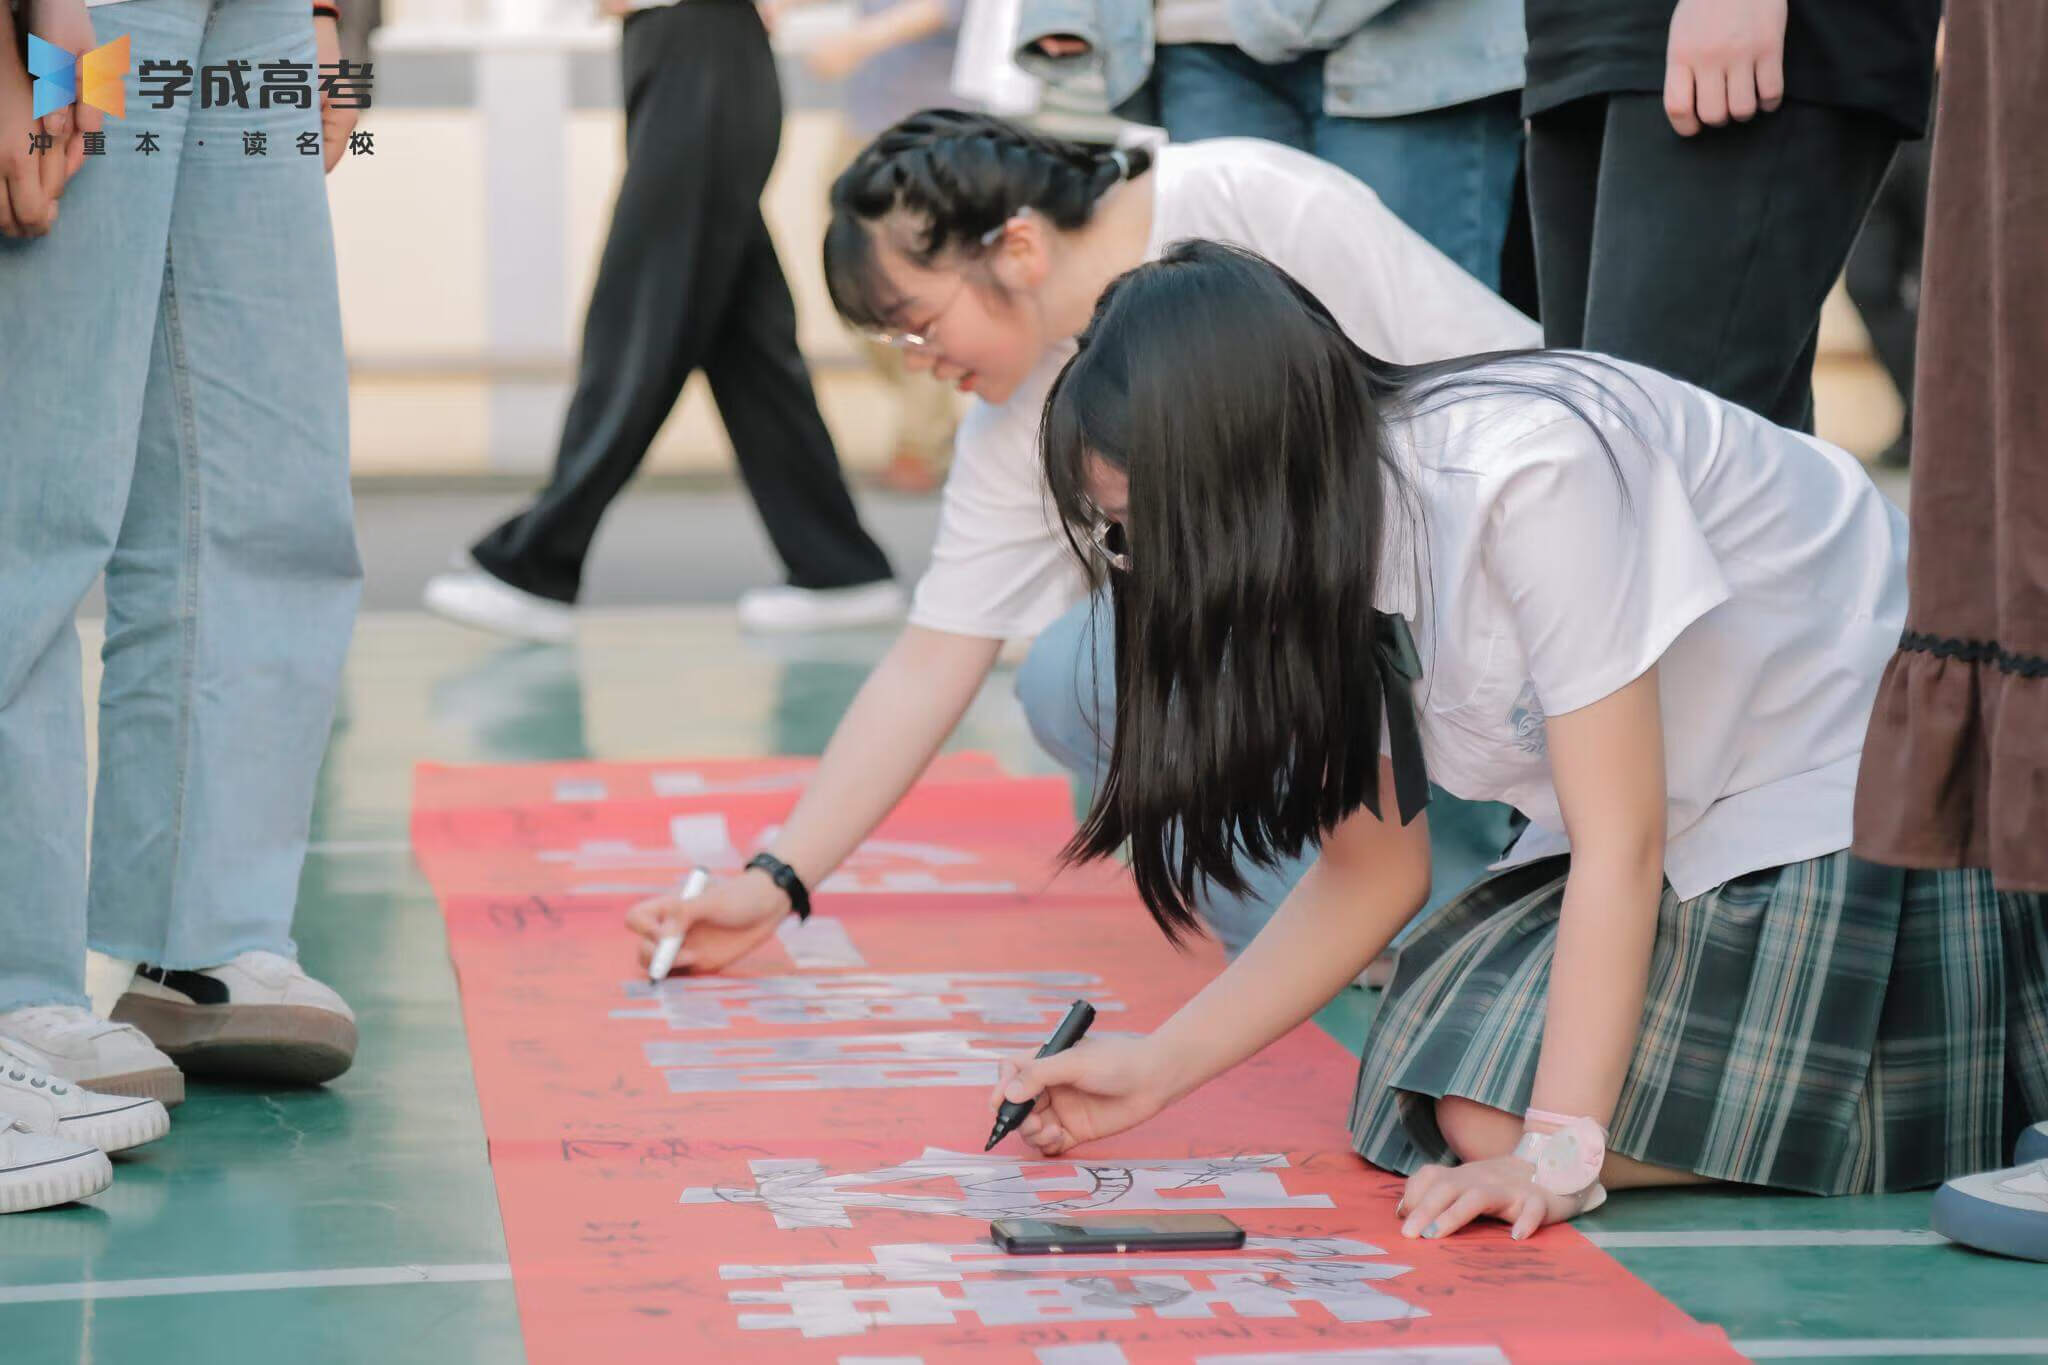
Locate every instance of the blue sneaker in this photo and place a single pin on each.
(2002, 1212)
(2032, 1146)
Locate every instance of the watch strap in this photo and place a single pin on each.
(1567, 1158)
(784, 876)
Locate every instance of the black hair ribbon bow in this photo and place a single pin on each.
(1400, 668)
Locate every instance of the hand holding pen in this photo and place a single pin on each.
(1093, 1090)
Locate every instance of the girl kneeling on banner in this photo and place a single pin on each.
(1643, 616)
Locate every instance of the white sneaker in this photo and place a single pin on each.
(787, 609)
(37, 1171)
(78, 1046)
(2002, 1212)
(472, 597)
(47, 1105)
(259, 1017)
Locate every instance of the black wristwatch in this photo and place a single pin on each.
(784, 876)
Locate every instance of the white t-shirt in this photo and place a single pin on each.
(1760, 569)
(1000, 568)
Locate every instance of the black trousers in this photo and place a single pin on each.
(1883, 274)
(689, 279)
(1706, 257)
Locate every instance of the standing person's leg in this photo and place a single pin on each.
(1518, 249)
(661, 284)
(1883, 279)
(1211, 90)
(785, 453)
(1447, 173)
(1875, 278)
(76, 376)
(837, 574)
(231, 596)
(1563, 168)
(1713, 254)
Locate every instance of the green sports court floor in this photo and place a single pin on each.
(358, 1223)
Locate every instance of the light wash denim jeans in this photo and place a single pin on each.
(175, 416)
(1448, 173)
(1374, 58)
(1068, 689)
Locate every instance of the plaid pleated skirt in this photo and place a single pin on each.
(1832, 1026)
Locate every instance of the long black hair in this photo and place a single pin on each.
(942, 180)
(1264, 487)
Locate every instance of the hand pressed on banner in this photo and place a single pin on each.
(1439, 1200)
(1096, 1089)
(1725, 59)
(336, 122)
(728, 921)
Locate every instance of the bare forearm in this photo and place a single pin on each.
(1608, 762)
(1338, 918)
(1607, 927)
(903, 713)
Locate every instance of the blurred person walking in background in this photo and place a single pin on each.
(689, 280)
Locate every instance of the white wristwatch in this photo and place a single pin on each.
(1568, 1157)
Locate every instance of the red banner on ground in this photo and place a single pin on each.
(439, 787)
(785, 1163)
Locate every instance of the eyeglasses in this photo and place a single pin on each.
(919, 341)
(922, 341)
(1108, 538)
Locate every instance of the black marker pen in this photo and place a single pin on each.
(1065, 1036)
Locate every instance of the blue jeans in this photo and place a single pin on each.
(1068, 689)
(1448, 173)
(177, 419)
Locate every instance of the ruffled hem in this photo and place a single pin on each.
(1955, 767)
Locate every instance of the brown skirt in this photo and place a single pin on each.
(1955, 769)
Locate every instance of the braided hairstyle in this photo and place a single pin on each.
(944, 179)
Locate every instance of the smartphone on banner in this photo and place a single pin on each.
(1156, 1232)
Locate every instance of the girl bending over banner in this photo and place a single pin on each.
(979, 249)
(1642, 615)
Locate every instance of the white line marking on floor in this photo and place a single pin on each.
(350, 1278)
(1784, 1237)
(1866, 1348)
(1847, 1348)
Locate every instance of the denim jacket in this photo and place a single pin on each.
(1387, 57)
